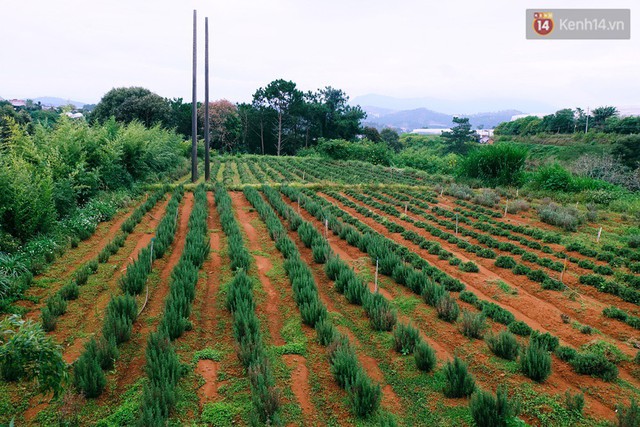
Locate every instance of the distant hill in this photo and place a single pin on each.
(452, 107)
(424, 118)
(57, 102)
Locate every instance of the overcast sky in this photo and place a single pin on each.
(464, 49)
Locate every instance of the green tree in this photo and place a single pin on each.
(371, 133)
(601, 114)
(133, 103)
(459, 136)
(391, 138)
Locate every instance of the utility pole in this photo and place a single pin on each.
(194, 110)
(586, 126)
(207, 166)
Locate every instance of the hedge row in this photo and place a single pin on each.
(364, 395)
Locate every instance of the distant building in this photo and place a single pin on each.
(73, 115)
(18, 103)
(430, 131)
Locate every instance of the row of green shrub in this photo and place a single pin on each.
(101, 354)
(163, 367)
(56, 304)
(246, 326)
(364, 395)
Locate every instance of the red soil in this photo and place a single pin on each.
(208, 369)
(300, 382)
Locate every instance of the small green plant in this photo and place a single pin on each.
(574, 402)
(505, 262)
(458, 381)
(425, 356)
(566, 354)
(628, 416)
(490, 411)
(447, 308)
(405, 338)
(88, 376)
(469, 267)
(473, 324)
(595, 364)
(57, 305)
(364, 395)
(504, 345)
(49, 321)
(326, 332)
(520, 328)
(535, 362)
(70, 291)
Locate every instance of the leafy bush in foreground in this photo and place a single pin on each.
(504, 345)
(458, 381)
(535, 362)
(405, 338)
(425, 356)
(490, 411)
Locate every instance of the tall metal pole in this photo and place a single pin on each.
(194, 111)
(206, 100)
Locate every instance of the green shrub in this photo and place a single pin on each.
(565, 217)
(49, 321)
(381, 314)
(344, 362)
(265, 396)
(498, 164)
(505, 262)
(405, 338)
(497, 313)
(447, 308)
(546, 340)
(364, 395)
(432, 292)
(57, 305)
(574, 402)
(82, 275)
(219, 414)
(535, 362)
(628, 416)
(490, 411)
(504, 345)
(595, 364)
(566, 354)
(521, 270)
(469, 267)
(458, 381)
(520, 328)
(70, 291)
(473, 324)
(312, 312)
(333, 267)
(88, 376)
(487, 197)
(121, 312)
(320, 250)
(326, 332)
(107, 352)
(425, 356)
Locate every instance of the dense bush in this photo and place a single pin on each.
(121, 312)
(425, 356)
(499, 164)
(520, 328)
(364, 395)
(565, 217)
(546, 340)
(505, 262)
(596, 364)
(88, 376)
(458, 381)
(628, 416)
(490, 411)
(469, 267)
(382, 316)
(473, 324)
(447, 308)
(566, 354)
(535, 362)
(405, 338)
(504, 345)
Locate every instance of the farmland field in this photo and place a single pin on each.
(304, 291)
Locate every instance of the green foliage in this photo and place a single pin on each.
(405, 338)
(380, 312)
(469, 267)
(546, 340)
(628, 416)
(473, 324)
(326, 332)
(57, 305)
(49, 320)
(505, 262)
(458, 381)
(504, 345)
(364, 395)
(535, 362)
(566, 354)
(565, 217)
(490, 411)
(520, 328)
(425, 356)
(107, 352)
(574, 402)
(70, 291)
(378, 154)
(498, 164)
(596, 364)
(88, 376)
(447, 308)
(460, 134)
(218, 414)
(121, 312)
(127, 104)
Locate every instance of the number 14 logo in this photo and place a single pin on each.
(543, 23)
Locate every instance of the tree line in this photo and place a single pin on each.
(280, 119)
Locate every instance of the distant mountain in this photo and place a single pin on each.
(57, 102)
(408, 120)
(469, 106)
